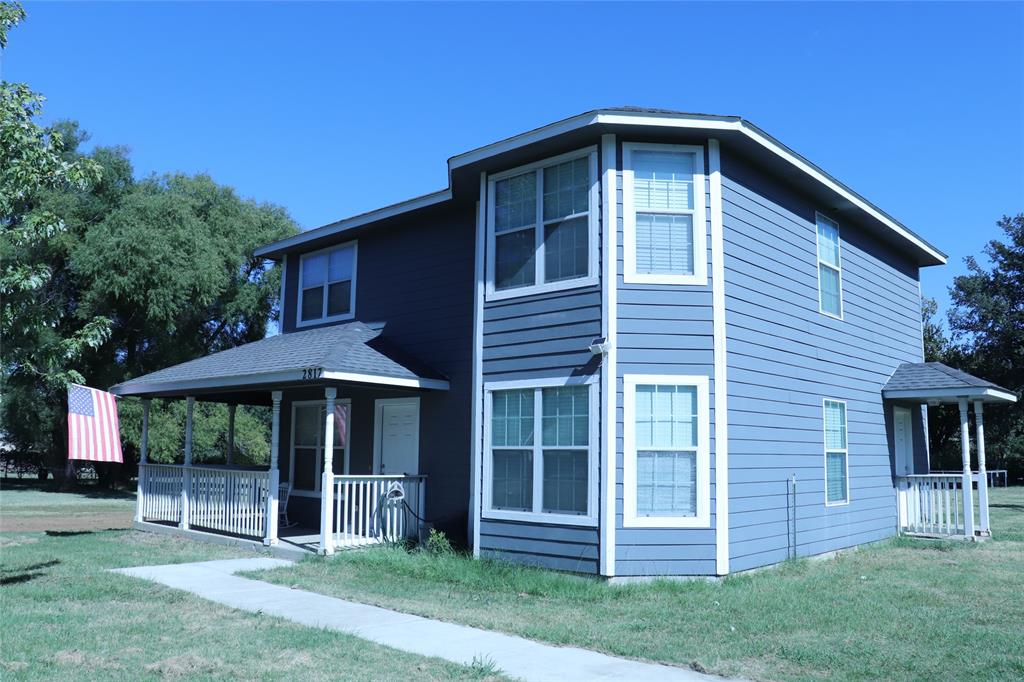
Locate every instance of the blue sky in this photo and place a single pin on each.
(334, 109)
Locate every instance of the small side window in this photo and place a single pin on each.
(837, 490)
(830, 279)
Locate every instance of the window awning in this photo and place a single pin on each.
(936, 382)
(352, 352)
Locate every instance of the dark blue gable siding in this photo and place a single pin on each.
(784, 357)
(663, 329)
(416, 275)
(533, 337)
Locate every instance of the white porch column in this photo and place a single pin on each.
(965, 453)
(140, 492)
(327, 482)
(275, 474)
(979, 421)
(186, 474)
(231, 434)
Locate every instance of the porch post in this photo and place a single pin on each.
(275, 475)
(231, 434)
(327, 483)
(979, 421)
(143, 454)
(186, 473)
(965, 453)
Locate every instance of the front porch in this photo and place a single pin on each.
(336, 494)
(942, 504)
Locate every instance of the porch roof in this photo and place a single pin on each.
(352, 352)
(934, 381)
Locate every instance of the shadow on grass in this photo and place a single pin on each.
(1012, 507)
(25, 573)
(70, 533)
(33, 567)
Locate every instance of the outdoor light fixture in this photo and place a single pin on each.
(600, 346)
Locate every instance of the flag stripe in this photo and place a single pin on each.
(93, 426)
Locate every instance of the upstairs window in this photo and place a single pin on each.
(836, 466)
(664, 225)
(830, 279)
(542, 222)
(327, 285)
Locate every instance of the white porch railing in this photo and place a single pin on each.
(229, 500)
(364, 514)
(931, 504)
(223, 499)
(160, 492)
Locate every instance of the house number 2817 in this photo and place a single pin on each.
(313, 373)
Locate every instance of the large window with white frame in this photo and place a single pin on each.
(664, 239)
(307, 452)
(837, 466)
(666, 452)
(830, 270)
(327, 285)
(542, 226)
(541, 451)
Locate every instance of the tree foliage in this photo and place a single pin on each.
(105, 277)
(987, 339)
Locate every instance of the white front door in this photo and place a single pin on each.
(903, 440)
(396, 436)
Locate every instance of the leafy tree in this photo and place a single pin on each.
(987, 324)
(105, 278)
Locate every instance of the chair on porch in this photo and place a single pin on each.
(283, 493)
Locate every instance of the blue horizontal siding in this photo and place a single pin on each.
(785, 357)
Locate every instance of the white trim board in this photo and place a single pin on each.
(609, 381)
(476, 422)
(289, 377)
(980, 392)
(719, 332)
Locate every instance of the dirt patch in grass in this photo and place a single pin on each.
(79, 522)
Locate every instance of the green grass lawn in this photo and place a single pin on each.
(903, 609)
(63, 617)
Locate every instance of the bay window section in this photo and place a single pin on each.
(327, 285)
(542, 226)
(664, 224)
(541, 453)
(666, 431)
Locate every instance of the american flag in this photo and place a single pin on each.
(93, 430)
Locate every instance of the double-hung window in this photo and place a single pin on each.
(664, 239)
(541, 453)
(837, 490)
(666, 475)
(307, 453)
(327, 288)
(542, 226)
(830, 275)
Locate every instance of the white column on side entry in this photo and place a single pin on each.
(965, 453)
(327, 482)
(979, 421)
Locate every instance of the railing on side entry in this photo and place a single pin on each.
(365, 513)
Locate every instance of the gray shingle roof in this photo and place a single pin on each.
(349, 348)
(929, 376)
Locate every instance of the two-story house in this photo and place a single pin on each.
(630, 343)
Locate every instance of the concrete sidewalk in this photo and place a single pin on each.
(514, 656)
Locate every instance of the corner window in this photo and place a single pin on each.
(830, 280)
(307, 453)
(666, 475)
(327, 285)
(836, 464)
(664, 239)
(542, 226)
(541, 453)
